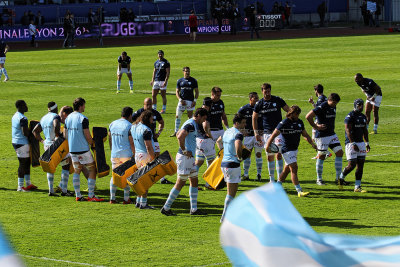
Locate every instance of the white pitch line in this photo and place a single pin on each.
(71, 262)
(388, 145)
(379, 155)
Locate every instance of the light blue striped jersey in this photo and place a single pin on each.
(19, 121)
(229, 138)
(74, 124)
(192, 128)
(141, 133)
(48, 127)
(120, 132)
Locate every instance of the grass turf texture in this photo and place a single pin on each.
(104, 234)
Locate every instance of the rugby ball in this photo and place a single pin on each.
(273, 148)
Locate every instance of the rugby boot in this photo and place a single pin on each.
(31, 187)
(95, 199)
(303, 194)
(197, 212)
(167, 212)
(360, 190)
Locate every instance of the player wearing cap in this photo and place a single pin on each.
(291, 128)
(159, 80)
(124, 66)
(355, 125)
(374, 98)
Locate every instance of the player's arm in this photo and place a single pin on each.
(167, 70)
(271, 139)
(177, 91)
(285, 108)
(88, 137)
(254, 120)
(149, 148)
(366, 139)
(129, 66)
(310, 118)
(119, 66)
(239, 148)
(225, 119)
(110, 140)
(311, 101)
(160, 127)
(57, 126)
(152, 78)
(377, 90)
(24, 125)
(181, 135)
(308, 138)
(36, 132)
(219, 142)
(207, 129)
(196, 96)
(65, 133)
(347, 129)
(6, 49)
(132, 144)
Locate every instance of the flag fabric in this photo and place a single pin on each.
(8, 258)
(263, 228)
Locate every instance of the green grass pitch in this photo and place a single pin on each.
(60, 232)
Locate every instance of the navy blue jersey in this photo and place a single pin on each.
(156, 117)
(321, 99)
(358, 122)
(215, 115)
(368, 86)
(202, 133)
(161, 67)
(270, 111)
(124, 63)
(325, 115)
(2, 48)
(291, 131)
(247, 111)
(186, 88)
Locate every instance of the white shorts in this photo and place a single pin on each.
(332, 142)
(157, 147)
(64, 161)
(181, 108)
(352, 154)
(2, 60)
(84, 158)
(205, 147)
(123, 70)
(290, 157)
(158, 85)
(232, 175)
(186, 167)
(142, 159)
(217, 134)
(250, 142)
(115, 162)
(278, 141)
(23, 151)
(377, 101)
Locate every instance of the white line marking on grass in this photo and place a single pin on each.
(380, 155)
(213, 264)
(49, 259)
(388, 145)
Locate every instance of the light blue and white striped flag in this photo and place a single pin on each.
(263, 228)
(8, 258)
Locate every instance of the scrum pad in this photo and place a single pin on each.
(54, 155)
(99, 137)
(123, 171)
(34, 145)
(148, 175)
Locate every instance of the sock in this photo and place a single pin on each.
(171, 198)
(138, 200)
(246, 166)
(154, 106)
(91, 184)
(118, 85)
(126, 192)
(320, 167)
(50, 181)
(5, 73)
(143, 201)
(193, 192)
(197, 168)
(228, 200)
(1, 73)
(113, 189)
(298, 188)
(27, 179)
(210, 159)
(164, 107)
(64, 180)
(375, 127)
(338, 166)
(131, 85)
(259, 164)
(76, 181)
(20, 181)
(177, 124)
(271, 170)
(279, 167)
(342, 175)
(357, 183)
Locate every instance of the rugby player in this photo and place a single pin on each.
(250, 141)
(142, 136)
(20, 133)
(186, 164)
(355, 125)
(269, 108)
(290, 129)
(374, 98)
(3, 51)
(217, 115)
(124, 66)
(76, 131)
(159, 80)
(186, 99)
(325, 136)
(122, 148)
(230, 165)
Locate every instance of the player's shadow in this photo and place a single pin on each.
(338, 223)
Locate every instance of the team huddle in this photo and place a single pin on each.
(257, 125)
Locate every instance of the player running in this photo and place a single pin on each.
(159, 80)
(356, 132)
(124, 66)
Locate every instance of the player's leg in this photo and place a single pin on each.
(115, 162)
(368, 109)
(337, 149)
(129, 74)
(179, 112)
(376, 119)
(351, 156)
(92, 181)
(164, 99)
(119, 76)
(173, 194)
(271, 162)
(64, 180)
(322, 146)
(232, 179)
(359, 174)
(248, 142)
(154, 94)
(3, 70)
(295, 180)
(193, 192)
(76, 177)
(279, 160)
(284, 174)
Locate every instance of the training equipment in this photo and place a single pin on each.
(54, 155)
(123, 171)
(246, 153)
(34, 145)
(148, 175)
(273, 148)
(213, 175)
(99, 137)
